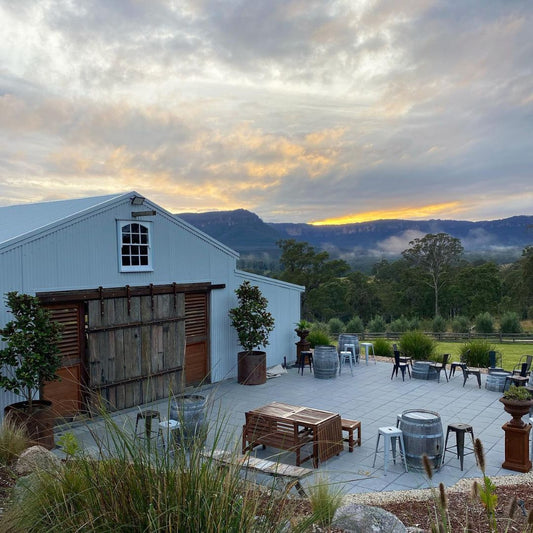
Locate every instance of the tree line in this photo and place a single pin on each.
(431, 280)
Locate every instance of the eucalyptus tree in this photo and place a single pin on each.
(433, 256)
(303, 265)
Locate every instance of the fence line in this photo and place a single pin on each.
(521, 338)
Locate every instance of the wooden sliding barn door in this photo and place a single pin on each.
(66, 394)
(136, 348)
(197, 335)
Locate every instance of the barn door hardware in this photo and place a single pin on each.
(174, 291)
(137, 324)
(101, 294)
(128, 296)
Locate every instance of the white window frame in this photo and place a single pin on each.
(139, 254)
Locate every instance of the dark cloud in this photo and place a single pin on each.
(295, 109)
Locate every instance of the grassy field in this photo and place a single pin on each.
(511, 352)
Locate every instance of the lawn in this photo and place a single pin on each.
(511, 352)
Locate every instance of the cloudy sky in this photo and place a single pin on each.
(297, 110)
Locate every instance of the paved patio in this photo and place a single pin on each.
(370, 396)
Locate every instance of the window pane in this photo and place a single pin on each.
(135, 245)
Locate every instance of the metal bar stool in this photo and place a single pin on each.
(305, 356)
(459, 430)
(345, 356)
(148, 415)
(390, 434)
(355, 355)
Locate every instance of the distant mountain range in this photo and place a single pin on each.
(364, 241)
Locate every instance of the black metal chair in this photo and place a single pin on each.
(403, 358)
(520, 380)
(400, 365)
(459, 364)
(439, 367)
(467, 372)
(523, 367)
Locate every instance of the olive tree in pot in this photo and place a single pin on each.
(30, 358)
(253, 324)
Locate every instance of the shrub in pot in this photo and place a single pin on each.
(382, 347)
(417, 345)
(476, 353)
(517, 401)
(303, 327)
(318, 337)
(253, 324)
(29, 359)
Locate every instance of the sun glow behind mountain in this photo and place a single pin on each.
(407, 213)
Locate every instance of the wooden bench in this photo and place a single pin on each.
(349, 426)
(271, 468)
(278, 433)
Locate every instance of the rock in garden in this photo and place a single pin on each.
(36, 458)
(356, 518)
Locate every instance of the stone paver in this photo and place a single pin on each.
(370, 396)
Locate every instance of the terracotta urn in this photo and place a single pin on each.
(302, 333)
(517, 409)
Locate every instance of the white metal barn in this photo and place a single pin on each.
(142, 295)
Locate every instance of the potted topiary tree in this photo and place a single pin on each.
(303, 327)
(29, 359)
(253, 324)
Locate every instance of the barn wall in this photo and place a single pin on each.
(82, 253)
(283, 303)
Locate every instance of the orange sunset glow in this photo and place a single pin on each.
(412, 213)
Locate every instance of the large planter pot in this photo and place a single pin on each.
(39, 423)
(517, 409)
(252, 368)
(302, 333)
(189, 411)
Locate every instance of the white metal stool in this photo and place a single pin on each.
(355, 355)
(390, 434)
(369, 350)
(168, 430)
(345, 356)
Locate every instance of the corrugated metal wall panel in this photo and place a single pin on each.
(283, 303)
(84, 254)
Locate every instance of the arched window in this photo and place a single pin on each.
(135, 251)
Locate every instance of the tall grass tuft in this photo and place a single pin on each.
(382, 347)
(417, 345)
(13, 441)
(324, 500)
(487, 491)
(476, 352)
(131, 487)
(442, 518)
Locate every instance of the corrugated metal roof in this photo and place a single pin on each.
(17, 220)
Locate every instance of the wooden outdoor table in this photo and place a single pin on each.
(290, 427)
